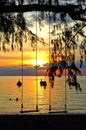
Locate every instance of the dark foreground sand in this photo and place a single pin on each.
(43, 122)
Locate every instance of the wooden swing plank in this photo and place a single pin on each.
(26, 111)
(57, 112)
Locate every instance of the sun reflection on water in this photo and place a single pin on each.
(9, 90)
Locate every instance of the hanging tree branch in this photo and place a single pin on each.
(63, 48)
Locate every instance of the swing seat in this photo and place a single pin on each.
(27, 111)
(64, 111)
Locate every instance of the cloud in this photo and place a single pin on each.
(17, 71)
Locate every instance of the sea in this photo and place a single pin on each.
(32, 95)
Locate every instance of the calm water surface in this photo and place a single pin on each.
(75, 101)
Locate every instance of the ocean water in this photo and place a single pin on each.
(32, 94)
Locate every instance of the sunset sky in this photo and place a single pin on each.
(11, 62)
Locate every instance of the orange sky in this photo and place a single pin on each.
(29, 58)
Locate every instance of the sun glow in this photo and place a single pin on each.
(41, 59)
(34, 62)
(39, 62)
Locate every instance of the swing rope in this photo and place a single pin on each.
(65, 82)
(22, 83)
(65, 93)
(36, 68)
(49, 63)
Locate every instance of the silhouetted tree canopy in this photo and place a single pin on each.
(67, 21)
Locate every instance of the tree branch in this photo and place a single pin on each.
(70, 9)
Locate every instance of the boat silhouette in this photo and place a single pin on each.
(43, 83)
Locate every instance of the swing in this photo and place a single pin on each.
(52, 76)
(19, 83)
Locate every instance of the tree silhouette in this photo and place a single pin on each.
(15, 30)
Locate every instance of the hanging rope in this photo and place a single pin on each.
(22, 83)
(65, 92)
(49, 63)
(19, 83)
(36, 68)
(65, 81)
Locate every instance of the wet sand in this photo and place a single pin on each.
(43, 121)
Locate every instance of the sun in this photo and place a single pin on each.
(34, 62)
(31, 59)
(38, 62)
